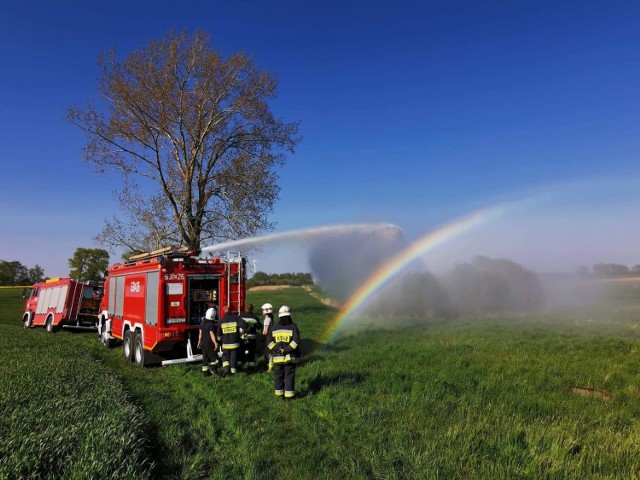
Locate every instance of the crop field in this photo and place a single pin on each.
(554, 395)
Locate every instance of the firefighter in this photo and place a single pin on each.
(284, 342)
(250, 336)
(230, 330)
(267, 313)
(216, 322)
(207, 340)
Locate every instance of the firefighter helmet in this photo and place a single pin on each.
(284, 311)
(267, 307)
(211, 313)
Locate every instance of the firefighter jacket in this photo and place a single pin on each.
(253, 325)
(230, 328)
(207, 327)
(283, 341)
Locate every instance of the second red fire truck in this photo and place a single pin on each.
(155, 302)
(61, 302)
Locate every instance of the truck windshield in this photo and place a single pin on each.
(92, 293)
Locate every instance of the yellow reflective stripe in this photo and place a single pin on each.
(230, 346)
(279, 393)
(289, 394)
(293, 344)
(271, 345)
(285, 359)
(283, 332)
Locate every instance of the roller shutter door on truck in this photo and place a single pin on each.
(62, 296)
(116, 295)
(42, 308)
(151, 302)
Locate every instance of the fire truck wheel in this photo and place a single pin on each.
(49, 325)
(27, 320)
(138, 350)
(128, 345)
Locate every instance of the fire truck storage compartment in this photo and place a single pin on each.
(148, 282)
(202, 289)
(53, 297)
(151, 298)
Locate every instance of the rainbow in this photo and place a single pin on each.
(391, 267)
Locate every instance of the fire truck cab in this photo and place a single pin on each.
(61, 302)
(154, 303)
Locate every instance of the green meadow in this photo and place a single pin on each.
(515, 396)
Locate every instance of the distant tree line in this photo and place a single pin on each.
(609, 270)
(260, 279)
(14, 273)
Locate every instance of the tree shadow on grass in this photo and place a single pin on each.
(323, 381)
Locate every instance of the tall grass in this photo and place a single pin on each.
(61, 414)
(476, 398)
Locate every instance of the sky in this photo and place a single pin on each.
(411, 113)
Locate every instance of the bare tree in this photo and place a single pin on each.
(193, 137)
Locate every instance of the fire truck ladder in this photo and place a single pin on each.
(168, 251)
(190, 358)
(237, 258)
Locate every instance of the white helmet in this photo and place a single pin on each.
(284, 311)
(211, 313)
(267, 307)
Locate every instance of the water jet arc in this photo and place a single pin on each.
(313, 233)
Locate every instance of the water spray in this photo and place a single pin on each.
(310, 234)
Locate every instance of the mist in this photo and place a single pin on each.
(341, 264)
(526, 260)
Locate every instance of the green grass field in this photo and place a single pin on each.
(475, 398)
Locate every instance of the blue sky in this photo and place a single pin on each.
(413, 113)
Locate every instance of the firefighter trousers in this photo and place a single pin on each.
(250, 352)
(285, 379)
(230, 360)
(209, 355)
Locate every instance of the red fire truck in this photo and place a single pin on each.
(154, 303)
(62, 302)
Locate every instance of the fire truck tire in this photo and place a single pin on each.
(49, 325)
(139, 355)
(27, 320)
(128, 345)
